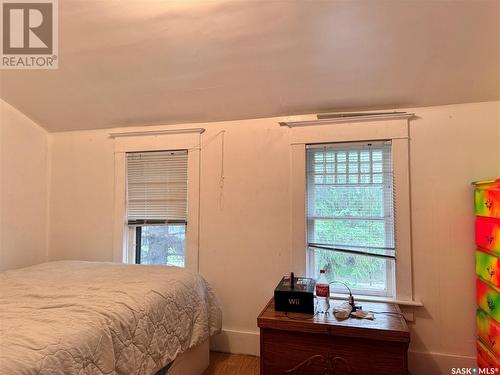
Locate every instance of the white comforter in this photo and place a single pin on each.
(101, 318)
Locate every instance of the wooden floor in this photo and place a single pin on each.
(232, 364)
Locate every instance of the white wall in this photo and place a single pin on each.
(23, 190)
(451, 146)
(245, 242)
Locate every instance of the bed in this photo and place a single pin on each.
(73, 317)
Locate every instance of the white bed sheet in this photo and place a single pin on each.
(73, 317)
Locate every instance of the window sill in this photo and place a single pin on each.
(361, 298)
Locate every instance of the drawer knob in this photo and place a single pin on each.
(489, 239)
(329, 363)
(490, 270)
(491, 303)
(492, 340)
(488, 204)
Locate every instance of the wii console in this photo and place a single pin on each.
(295, 294)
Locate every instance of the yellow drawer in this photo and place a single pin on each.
(487, 199)
(488, 330)
(488, 267)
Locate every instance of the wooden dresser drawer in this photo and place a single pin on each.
(299, 353)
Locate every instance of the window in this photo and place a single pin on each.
(350, 215)
(157, 206)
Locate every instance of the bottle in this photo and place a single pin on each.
(323, 292)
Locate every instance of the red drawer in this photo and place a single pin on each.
(488, 299)
(488, 233)
(485, 358)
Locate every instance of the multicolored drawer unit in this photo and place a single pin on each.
(487, 235)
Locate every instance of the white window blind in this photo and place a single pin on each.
(350, 203)
(157, 187)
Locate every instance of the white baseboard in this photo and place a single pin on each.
(236, 342)
(426, 363)
(420, 363)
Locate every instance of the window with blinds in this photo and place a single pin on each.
(157, 185)
(350, 214)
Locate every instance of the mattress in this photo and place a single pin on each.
(73, 317)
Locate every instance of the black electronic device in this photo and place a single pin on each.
(295, 294)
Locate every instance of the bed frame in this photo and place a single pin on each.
(193, 361)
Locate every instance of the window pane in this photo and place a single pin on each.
(319, 168)
(353, 168)
(163, 244)
(341, 157)
(353, 179)
(365, 178)
(377, 168)
(357, 271)
(377, 155)
(347, 201)
(365, 168)
(349, 233)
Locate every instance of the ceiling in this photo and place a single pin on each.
(124, 62)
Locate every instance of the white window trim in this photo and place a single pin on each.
(356, 130)
(187, 139)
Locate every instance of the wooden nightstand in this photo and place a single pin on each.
(323, 345)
